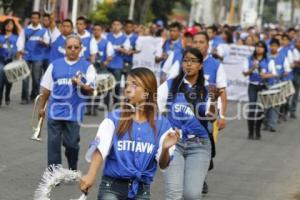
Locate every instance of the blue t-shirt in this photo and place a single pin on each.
(8, 46)
(34, 50)
(133, 157)
(181, 115)
(66, 101)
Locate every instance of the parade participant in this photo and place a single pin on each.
(185, 100)
(131, 141)
(8, 50)
(259, 69)
(281, 66)
(58, 40)
(132, 37)
(222, 50)
(65, 83)
(50, 26)
(288, 72)
(103, 58)
(89, 45)
(296, 78)
(214, 74)
(214, 38)
(32, 44)
(121, 45)
(171, 51)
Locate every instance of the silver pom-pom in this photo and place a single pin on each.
(54, 175)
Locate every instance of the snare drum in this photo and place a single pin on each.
(105, 82)
(282, 86)
(271, 98)
(290, 90)
(16, 70)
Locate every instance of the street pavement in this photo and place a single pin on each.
(268, 169)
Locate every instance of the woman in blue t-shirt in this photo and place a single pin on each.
(8, 50)
(185, 100)
(132, 141)
(260, 70)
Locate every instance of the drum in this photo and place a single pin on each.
(105, 82)
(283, 87)
(16, 70)
(271, 98)
(290, 90)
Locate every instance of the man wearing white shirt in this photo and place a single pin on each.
(215, 75)
(103, 58)
(65, 83)
(89, 45)
(31, 47)
(121, 46)
(296, 78)
(52, 31)
(58, 40)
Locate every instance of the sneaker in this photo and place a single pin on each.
(205, 188)
(293, 115)
(272, 130)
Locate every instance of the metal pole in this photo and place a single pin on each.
(74, 11)
(131, 9)
(192, 13)
(36, 5)
(260, 13)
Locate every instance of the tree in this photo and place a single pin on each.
(144, 10)
(105, 12)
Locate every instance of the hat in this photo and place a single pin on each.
(190, 31)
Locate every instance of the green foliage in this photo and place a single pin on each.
(101, 13)
(145, 10)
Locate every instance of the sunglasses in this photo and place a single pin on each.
(73, 47)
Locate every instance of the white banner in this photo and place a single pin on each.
(237, 83)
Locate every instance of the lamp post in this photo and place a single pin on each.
(131, 9)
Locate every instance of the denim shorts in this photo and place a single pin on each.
(117, 189)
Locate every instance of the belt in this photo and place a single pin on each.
(196, 139)
(119, 180)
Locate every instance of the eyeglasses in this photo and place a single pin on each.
(73, 47)
(192, 60)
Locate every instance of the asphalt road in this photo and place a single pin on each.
(268, 169)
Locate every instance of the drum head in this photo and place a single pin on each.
(269, 92)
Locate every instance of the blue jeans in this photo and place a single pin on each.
(36, 68)
(187, 171)
(271, 117)
(114, 189)
(66, 133)
(254, 114)
(296, 82)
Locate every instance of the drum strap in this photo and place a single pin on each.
(9, 48)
